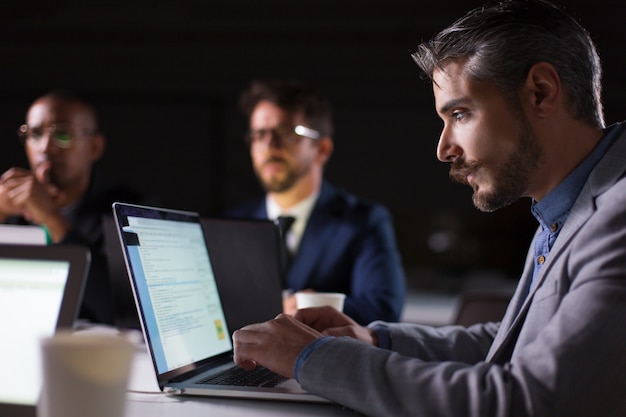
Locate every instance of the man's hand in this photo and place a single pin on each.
(23, 194)
(290, 304)
(331, 322)
(34, 199)
(7, 208)
(274, 344)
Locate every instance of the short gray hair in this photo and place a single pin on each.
(503, 40)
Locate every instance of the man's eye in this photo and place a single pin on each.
(258, 135)
(36, 134)
(458, 115)
(63, 136)
(284, 131)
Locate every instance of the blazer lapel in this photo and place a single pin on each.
(318, 233)
(515, 315)
(601, 178)
(608, 171)
(260, 211)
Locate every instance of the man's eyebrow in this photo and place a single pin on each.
(451, 104)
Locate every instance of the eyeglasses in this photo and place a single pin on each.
(284, 135)
(61, 134)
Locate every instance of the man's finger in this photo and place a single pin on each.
(42, 172)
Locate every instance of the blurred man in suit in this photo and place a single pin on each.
(337, 242)
(517, 85)
(60, 191)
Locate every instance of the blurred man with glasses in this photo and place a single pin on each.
(60, 191)
(336, 241)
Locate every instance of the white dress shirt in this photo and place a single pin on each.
(301, 212)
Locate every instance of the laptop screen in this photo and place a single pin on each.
(31, 293)
(40, 290)
(175, 286)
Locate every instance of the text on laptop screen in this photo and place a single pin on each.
(176, 286)
(31, 292)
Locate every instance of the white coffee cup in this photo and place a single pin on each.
(85, 375)
(318, 299)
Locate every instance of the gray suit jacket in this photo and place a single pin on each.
(559, 351)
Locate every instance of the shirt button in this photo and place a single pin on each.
(554, 227)
(541, 259)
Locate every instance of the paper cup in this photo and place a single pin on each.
(85, 375)
(318, 299)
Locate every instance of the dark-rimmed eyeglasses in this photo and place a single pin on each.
(284, 135)
(62, 134)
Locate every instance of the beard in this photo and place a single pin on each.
(510, 178)
(278, 184)
(284, 180)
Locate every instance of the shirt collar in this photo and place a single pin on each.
(300, 211)
(554, 208)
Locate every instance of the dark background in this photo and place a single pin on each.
(165, 78)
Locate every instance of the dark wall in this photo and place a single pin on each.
(166, 76)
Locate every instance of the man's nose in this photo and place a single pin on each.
(47, 144)
(275, 140)
(447, 149)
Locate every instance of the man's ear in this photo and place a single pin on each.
(98, 144)
(325, 148)
(542, 90)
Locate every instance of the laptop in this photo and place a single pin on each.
(180, 307)
(22, 234)
(245, 260)
(125, 310)
(41, 290)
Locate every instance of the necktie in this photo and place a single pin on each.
(284, 223)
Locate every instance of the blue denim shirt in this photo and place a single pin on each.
(552, 211)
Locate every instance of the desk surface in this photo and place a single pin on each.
(421, 308)
(142, 405)
(145, 399)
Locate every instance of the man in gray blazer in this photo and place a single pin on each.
(517, 85)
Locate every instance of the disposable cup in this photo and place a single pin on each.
(318, 299)
(85, 375)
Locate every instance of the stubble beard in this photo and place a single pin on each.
(510, 178)
(276, 184)
(283, 181)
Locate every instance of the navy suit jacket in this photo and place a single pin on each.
(348, 246)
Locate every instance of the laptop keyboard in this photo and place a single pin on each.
(259, 377)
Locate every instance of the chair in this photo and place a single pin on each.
(481, 306)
